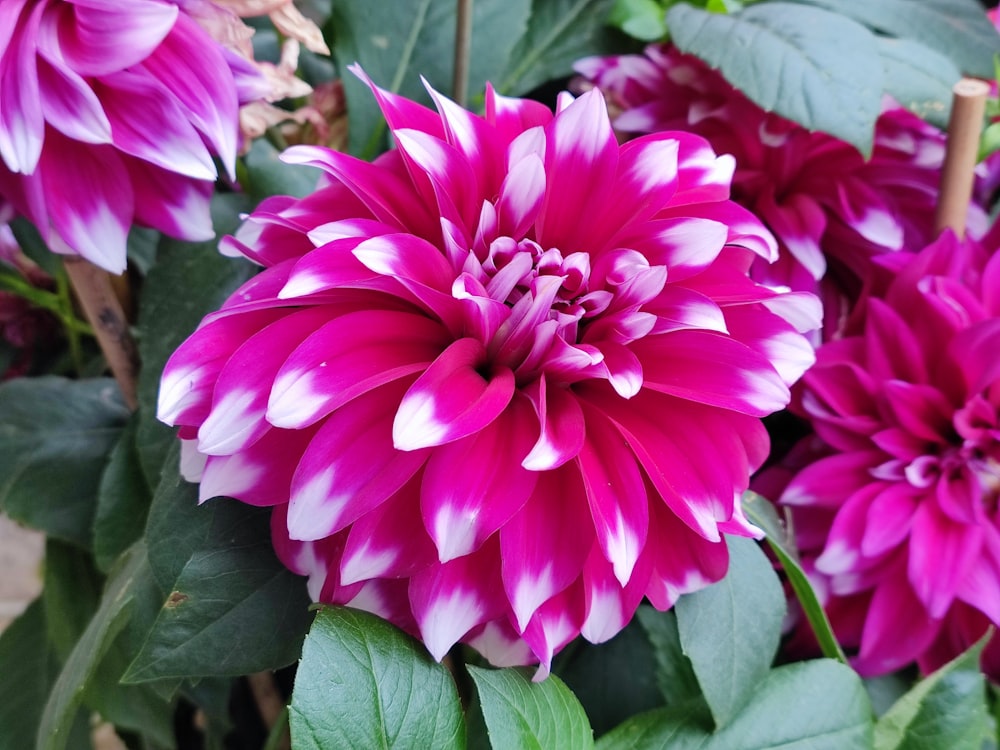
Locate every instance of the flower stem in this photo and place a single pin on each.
(271, 706)
(102, 309)
(964, 126)
(463, 52)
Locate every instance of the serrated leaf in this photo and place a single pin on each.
(188, 281)
(790, 59)
(30, 666)
(109, 620)
(945, 710)
(268, 175)
(71, 592)
(364, 683)
(232, 611)
(730, 630)
(396, 43)
(674, 674)
(612, 680)
(919, 78)
(525, 714)
(958, 29)
(123, 500)
(814, 705)
(642, 19)
(560, 32)
(55, 435)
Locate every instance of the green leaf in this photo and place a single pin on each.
(524, 714)
(30, 666)
(763, 514)
(642, 19)
(730, 630)
(123, 500)
(945, 710)
(70, 594)
(958, 29)
(612, 680)
(396, 43)
(990, 142)
(919, 78)
(29, 239)
(142, 244)
(188, 281)
(364, 683)
(560, 32)
(109, 620)
(55, 435)
(268, 175)
(233, 610)
(814, 705)
(790, 59)
(674, 673)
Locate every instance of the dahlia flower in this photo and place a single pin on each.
(825, 203)
(110, 114)
(501, 383)
(896, 494)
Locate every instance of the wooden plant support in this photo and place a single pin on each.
(964, 128)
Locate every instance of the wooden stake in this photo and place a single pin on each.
(964, 128)
(93, 288)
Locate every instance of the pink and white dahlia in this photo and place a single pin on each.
(501, 383)
(110, 114)
(896, 501)
(830, 209)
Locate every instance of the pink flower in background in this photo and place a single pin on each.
(503, 382)
(896, 495)
(830, 209)
(110, 114)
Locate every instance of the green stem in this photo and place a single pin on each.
(66, 315)
(278, 733)
(45, 300)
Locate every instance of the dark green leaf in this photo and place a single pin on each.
(560, 32)
(674, 674)
(142, 244)
(643, 19)
(30, 666)
(815, 705)
(918, 78)
(363, 683)
(122, 501)
(958, 29)
(884, 690)
(55, 435)
(525, 714)
(109, 620)
(233, 610)
(188, 281)
(790, 59)
(762, 513)
(943, 711)
(29, 239)
(268, 175)
(613, 680)
(730, 630)
(396, 43)
(71, 593)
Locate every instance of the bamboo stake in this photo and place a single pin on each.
(964, 128)
(463, 51)
(94, 290)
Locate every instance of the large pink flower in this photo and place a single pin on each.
(897, 496)
(830, 209)
(501, 383)
(110, 113)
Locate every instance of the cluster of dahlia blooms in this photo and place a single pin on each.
(896, 495)
(830, 208)
(111, 114)
(503, 382)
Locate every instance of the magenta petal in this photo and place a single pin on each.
(554, 624)
(981, 582)
(607, 606)
(941, 553)
(616, 494)
(450, 599)
(890, 641)
(451, 399)
(347, 357)
(389, 541)
(889, 518)
(500, 644)
(521, 196)
(171, 203)
(22, 126)
(70, 105)
(464, 499)
(537, 567)
(828, 481)
(562, 427)
(350, 466)
(712, 368)
(106, 37)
